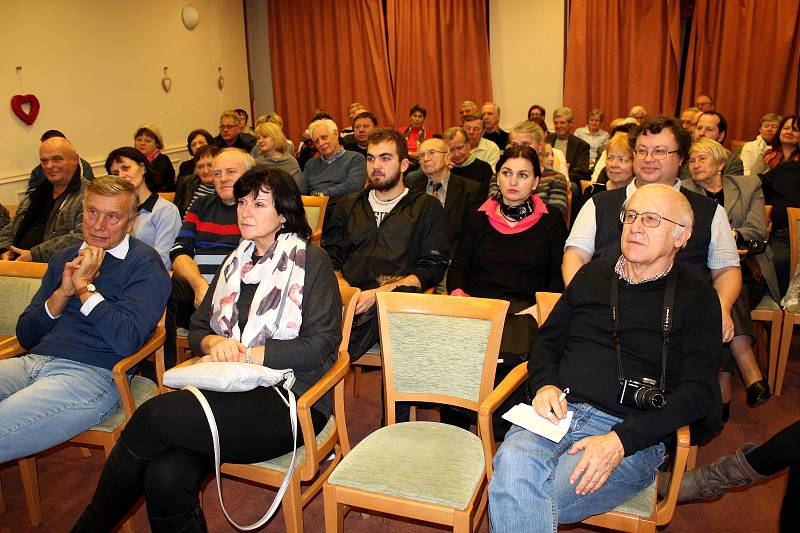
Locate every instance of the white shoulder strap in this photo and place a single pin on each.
(212, 424)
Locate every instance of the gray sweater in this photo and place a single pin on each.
(286, 162)
(344, 176)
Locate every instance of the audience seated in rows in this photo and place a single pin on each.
(689, 118)
(466, 108)
(230, 133)
(161, 453)
(752, 153)
(149, 141)
(704, 103)
(38, 175)
(272, 150)
(194, 140)
(617, 171)
(613, 448)
(491, 125)
(465, 164)
(352, 110)
(274, 118)
(307, 149)
(576, 150)
(536, 111)
(208, 234)
(743, 200)
(99, 301)
(479, 146)
(157, 220)
(198, 184)
(785, 146)
(386, 237)
(595, 137)
(50, 216)
(712, 125)
(415, 133)
(458, 196)
(639, 113)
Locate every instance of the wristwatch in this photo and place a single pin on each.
(248, 355)
(90, 288)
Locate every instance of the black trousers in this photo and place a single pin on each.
(171, 432)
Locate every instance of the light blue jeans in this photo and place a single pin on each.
(45, 401)
(530, 489)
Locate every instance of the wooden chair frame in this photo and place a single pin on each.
(662, 511)
(337, 498)
(789, 319)
(320, 202)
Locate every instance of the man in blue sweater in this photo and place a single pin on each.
(98, 303)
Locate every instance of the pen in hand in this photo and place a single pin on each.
(560, 398)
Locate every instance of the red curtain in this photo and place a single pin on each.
(327, 55)
(744, 53)
(620, 54)
(439, 57)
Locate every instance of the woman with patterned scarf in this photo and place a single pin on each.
(275, 302)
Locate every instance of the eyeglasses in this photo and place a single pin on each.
(656, 153)
(228, 126)
(430, 153)
(650, 220)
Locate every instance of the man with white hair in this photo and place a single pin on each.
(575, 148)
(50, 216)
(615, 443)
(467, 107)
(638, 112)
(335, 171)
(491, 123)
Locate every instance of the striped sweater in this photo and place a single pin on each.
(208, 234)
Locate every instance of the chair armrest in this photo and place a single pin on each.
(334, 375)
(11, 348)
(120, 370)
(666, 507)
(488, 406)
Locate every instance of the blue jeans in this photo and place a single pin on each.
(45, 401)
(530, 489)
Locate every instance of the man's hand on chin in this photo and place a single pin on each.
(601, 455)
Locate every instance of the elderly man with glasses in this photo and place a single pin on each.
(660, 145)
(230, 133)
(457, 195)
(615, 440)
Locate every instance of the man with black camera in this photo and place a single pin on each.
(636, 341)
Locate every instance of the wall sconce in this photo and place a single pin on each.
(166, 82)
(190, 16)
(220, 79)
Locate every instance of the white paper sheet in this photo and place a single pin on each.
(524, 416)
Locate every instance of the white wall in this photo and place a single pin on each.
(96, 67)
(526, 41)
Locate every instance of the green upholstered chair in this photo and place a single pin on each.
(315, 213)
(132, 393)
(439, 349)
(317, 448)
(643, 512)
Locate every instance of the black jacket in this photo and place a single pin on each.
(577, 157)
(411, 240)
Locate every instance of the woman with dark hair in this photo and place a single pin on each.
(536, 111)
(195, 140)
(157, 221)
(149, 141)
(165, 451)
(415, 133)
(785, 146)
(199, 184)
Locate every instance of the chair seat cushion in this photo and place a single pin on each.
(767, 304)
(143, 389)
(282, 463)
(421, 461)
(641, 504)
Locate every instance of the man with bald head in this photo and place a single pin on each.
(49, 217)
(616, 442)
(457, 195)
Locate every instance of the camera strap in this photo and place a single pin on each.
(666, 324)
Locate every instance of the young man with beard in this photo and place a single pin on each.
(387, 236)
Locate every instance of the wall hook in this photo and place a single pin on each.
(166, 82)
(220, 79)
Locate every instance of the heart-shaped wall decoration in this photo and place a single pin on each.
(19, 100)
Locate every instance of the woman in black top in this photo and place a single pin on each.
(195, 140)
(277, 304)
(148, 140)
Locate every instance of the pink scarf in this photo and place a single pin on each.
(499, 223)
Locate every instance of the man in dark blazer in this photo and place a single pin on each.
(575, 149)
(458, 195)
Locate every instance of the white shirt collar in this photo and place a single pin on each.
(631, 187)
(120, 251)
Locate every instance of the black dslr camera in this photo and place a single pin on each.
(642, 393)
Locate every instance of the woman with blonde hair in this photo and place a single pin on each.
(272, 150)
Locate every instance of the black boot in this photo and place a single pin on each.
(725, 473)
(189, 522)
(117, 492)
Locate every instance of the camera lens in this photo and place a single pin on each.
(650, 398)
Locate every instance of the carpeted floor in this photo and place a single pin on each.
(67, 480)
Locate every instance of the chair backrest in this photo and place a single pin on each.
(794, 218)
(736, 147)
(19, 281)
(12, 210)
(437, 348)
(168, 196)
(349, 300)
(315, 213)
(545, 302)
